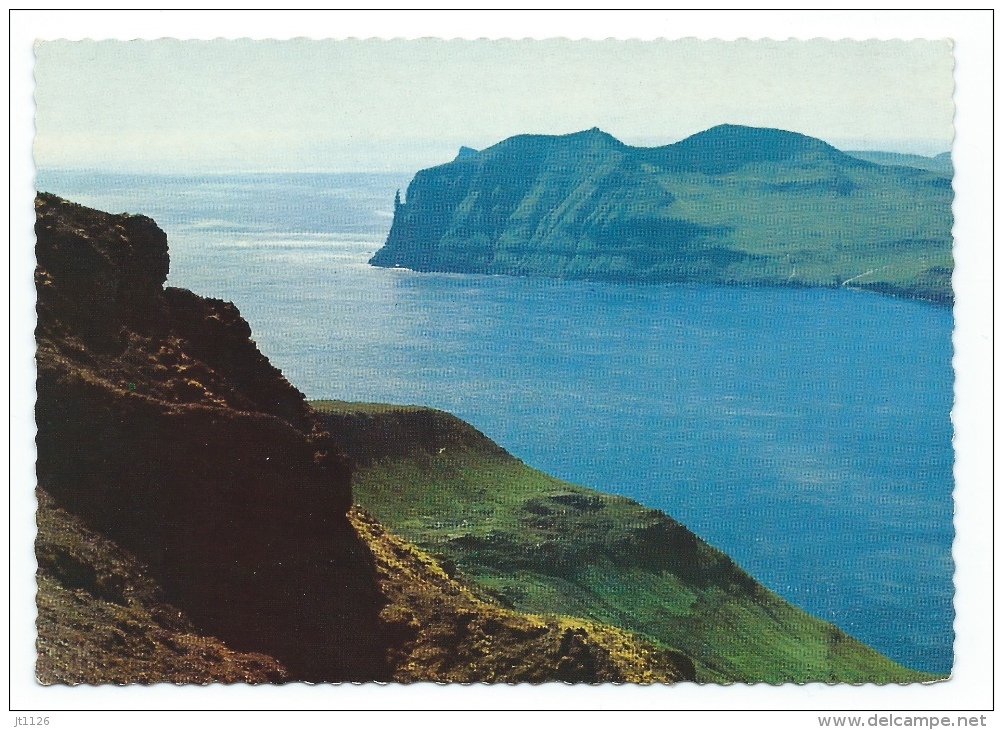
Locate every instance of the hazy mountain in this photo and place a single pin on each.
(940, 164)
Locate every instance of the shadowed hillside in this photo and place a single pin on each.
(731, 204)
(195, 517)
(101, 618)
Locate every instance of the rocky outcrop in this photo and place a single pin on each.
(162, 426)
(192, 513)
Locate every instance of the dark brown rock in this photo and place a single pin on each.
(162, 425)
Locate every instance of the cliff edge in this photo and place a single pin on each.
(195, 517)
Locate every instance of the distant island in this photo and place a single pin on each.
(732, 204)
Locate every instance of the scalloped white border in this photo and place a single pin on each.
(971, 687)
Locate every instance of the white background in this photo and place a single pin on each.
(970, 689)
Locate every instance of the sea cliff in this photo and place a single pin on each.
(731, 205)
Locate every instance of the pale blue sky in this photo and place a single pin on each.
(402, 105)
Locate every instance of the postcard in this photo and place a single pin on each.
(495, 362)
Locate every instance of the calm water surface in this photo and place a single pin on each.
(805, 432)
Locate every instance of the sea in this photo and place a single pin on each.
(805, 432)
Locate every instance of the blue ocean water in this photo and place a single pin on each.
(805, 432)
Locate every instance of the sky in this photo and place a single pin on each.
(228, 105)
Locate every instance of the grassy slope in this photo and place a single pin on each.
(585, 206)
(892, 229)
(544, 545)
(452, 634)
(102, 619)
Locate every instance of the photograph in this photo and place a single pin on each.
(472, 362)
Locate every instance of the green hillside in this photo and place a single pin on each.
(728, 205)
(542, 545)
